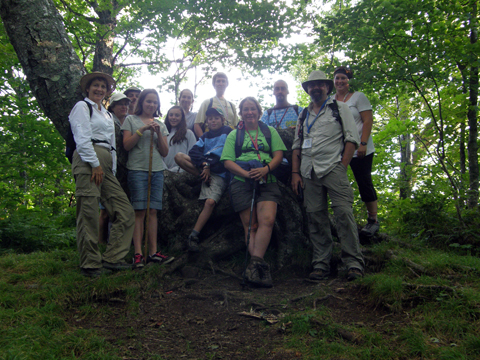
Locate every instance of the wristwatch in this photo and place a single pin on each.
(206, 165)
(363, 143)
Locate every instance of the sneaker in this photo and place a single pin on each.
(93, 272)
(118, 266)
(319, 274)
(371, 228)
(159, 258)
(192, 244)
(258, 274)
(138, 261)
(354, 274)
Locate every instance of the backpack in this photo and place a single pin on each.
(282, 172)
(269, 111)
(70, 144)
(303, 116)
(210, 106)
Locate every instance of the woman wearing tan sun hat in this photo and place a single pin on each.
(92, 167)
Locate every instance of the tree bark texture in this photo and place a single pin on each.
(53, 69)
(472, 114)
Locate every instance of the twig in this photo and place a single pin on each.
(301, 297)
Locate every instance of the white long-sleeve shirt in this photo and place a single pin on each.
(85, 129)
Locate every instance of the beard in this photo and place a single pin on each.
(317, 96)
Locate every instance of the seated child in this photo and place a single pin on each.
(204, 160)
(180, 139)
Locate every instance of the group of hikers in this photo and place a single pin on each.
(224, 152)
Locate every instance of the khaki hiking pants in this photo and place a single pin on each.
(116, 203)
(338, 188)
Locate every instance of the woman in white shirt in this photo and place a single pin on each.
(93, 169)
(180, 139)
(361, 163)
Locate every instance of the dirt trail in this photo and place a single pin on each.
(200, 318)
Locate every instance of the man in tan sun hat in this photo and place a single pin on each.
(325, 139)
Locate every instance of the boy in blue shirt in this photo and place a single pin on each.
(204, 160)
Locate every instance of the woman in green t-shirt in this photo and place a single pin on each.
(252, 168)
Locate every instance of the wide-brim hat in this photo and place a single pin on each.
(132, 88)
(117, 97)
(317, 75)
(214, 111)
(97, 74)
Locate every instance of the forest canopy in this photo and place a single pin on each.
(417, 62)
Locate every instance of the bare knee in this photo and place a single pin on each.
(180, 158)
(152, 213)
(210, 203)
(267, 221)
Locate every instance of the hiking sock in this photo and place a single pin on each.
(372, 215)
(194, 233)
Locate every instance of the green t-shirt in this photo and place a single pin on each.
(247, 155)
(139, 155)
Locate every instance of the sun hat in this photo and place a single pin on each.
(117, 97)
(132, 88)
(317, 75)
(214, 111)
(97, 74)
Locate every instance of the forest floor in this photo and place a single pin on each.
(213, 317)
(415, 302)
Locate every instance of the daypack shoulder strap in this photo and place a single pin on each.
(295, 107)
(336, 112)
(301, 121)
(269, 112)
(267, 133)
(239, 139)
(90, 108)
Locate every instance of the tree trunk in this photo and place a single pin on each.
(472, 114)
(103, 58)
(52, 67)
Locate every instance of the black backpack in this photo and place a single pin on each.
(303, 116)
(70, 144)
(282, 172)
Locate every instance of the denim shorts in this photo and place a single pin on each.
(138, 185)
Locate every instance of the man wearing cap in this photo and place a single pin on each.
(204, 160)
(220, 83)
(282, 115)
(325, 139)
(132, 93)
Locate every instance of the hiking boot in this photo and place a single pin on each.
(93, 272)
(354, 274)
(118, 266)
(265, 275)
(138, 261)
(371, 228)
(258, 274)
(319, 274)
(159, 258)
(192, 244)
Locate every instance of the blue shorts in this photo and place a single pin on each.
(138, 185)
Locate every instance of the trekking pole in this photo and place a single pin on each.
(149, 190)
(248, 234)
